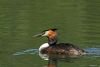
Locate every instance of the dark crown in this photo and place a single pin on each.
(54, 29)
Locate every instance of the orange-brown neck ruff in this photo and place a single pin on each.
(52, 40)
(52, 34)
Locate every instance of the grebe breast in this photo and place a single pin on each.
(45, 45)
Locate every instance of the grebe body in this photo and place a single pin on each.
(59, 49)
(63, 49)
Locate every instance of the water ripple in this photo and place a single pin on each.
(27, 51)
(95, 52)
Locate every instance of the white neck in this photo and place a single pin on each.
(45, 45)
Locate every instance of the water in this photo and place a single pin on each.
(53, 61)
(90, 51)
(93, 51)
(28, 51)
(78, 22)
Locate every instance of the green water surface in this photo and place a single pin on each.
(78, 22)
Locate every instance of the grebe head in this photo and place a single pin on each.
(50, 33)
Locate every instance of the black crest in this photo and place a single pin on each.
(54, 29)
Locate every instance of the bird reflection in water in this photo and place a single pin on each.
(53, 59)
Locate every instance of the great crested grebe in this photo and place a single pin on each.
(52, 47)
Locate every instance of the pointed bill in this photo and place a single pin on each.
(37, 35)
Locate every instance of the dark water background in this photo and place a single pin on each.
(78, 22)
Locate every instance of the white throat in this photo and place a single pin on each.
(45, 45)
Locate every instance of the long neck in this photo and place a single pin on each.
(52, 41)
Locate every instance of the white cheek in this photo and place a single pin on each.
(46, 33)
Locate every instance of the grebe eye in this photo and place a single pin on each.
(44, 32)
